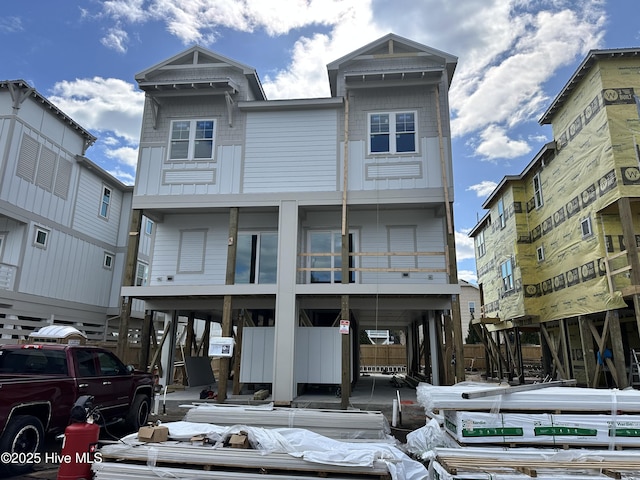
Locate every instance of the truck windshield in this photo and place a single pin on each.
(33, 361)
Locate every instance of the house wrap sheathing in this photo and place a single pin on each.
(553, 246)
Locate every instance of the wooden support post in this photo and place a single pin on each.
(617, 349)
(237, 354)
(553, 349)
(564, 336)
(227, 324)
(145, 342)
(449, 355)
(190, 335)
(345, 387)
(588, 352)
(128, 280)
(519, 360)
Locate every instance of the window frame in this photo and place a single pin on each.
(148, 228)
(107, 261)
(191, 140)
(538, 198)
(105, 202)
(540, 253)
(256, 267)
(480, 244)
(335, 275)
(506, 273)
(141, 280)
(589, 230)
(41, 230)
(501, 217)
(392, 132)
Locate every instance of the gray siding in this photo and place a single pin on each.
(86, 218)
(291, 151)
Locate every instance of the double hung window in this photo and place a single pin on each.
(191, 140)
(392, 132)
(506, 271)
(105, 203)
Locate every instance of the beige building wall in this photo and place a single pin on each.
(469, 303)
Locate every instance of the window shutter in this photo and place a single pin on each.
(46, 169)
(402, 239)
(28, 158)
(191, 254)
(63, 179)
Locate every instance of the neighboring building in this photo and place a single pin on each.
(253, 200)
(469, 305)
(64, 222)
(557, 250)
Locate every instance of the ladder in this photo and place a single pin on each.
(634, 370)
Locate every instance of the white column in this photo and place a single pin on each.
(286, 320)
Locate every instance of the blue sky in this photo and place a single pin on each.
(514, 56)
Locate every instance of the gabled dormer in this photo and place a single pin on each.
(390, 61)
(198, 69)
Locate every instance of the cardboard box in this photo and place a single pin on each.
(239, 440)
(153, 434)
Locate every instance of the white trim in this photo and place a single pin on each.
(392, 132)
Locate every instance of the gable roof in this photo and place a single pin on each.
(592, 57)
(394, 45)
(197, 57)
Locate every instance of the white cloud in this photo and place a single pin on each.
(11, 25)
(468, 275)
(124, 155)
(116, 39)
(465, 248)
(494, 143)
(483, 188)
(103, 105)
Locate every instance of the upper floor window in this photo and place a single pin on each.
(472, 307)
(257, 258)
(392, 132)
(191, 139)
(537, 191)
(540, 253)
(41, 237)
(585, 226)
(106, 202)
(482, 249)
(326, 258)
(506, 272)
(501, 216)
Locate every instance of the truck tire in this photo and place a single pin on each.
(139, 412)
(23, 438)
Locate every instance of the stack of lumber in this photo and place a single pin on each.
(487, 397)
(337, 424)
(484, 463)
(205, 451)
(475, 414)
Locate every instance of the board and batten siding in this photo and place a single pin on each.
(39, 176)
(392, 172)
(86, 218)
(69, 268)
(256, 362)
(291, 151)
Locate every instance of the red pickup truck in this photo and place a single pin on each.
(39, 383)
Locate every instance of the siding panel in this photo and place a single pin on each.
(295, 145)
